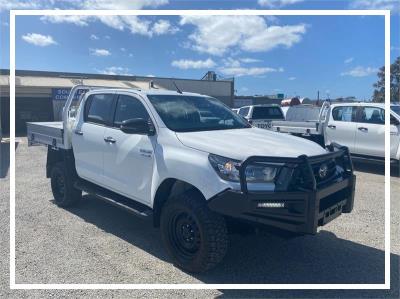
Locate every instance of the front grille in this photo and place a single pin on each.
(330, 171)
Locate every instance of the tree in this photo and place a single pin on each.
(379, 92)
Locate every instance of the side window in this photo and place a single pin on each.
(244, 111)
(98, 107)
(127, 108)
(344, 113)
(372, 115)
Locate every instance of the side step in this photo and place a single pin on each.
(115, 199)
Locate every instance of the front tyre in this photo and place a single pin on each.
(64, 192)
(195, 237)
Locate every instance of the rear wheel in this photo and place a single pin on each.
(64, 192)
(195, 237)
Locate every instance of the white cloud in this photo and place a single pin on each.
(94, 37)
(248, 71)
(348, 60)
(392, 5)
(164, 27)
(122, 49)
(121, 4)
(84, 4)
(19, 4)
(134, 24)
(360, 71)
(39, 39)
(274, 36)
(292, 78)
(99, 52)
(249, 60)
(277, 3)
(193, 64)
(218, 34)
(76, 20)
(115, 70)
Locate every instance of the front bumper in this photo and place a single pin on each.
(300, 211)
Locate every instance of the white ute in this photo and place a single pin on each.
(194, 166)
(358, 126)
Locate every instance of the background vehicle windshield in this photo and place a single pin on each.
(267, 113)
(195, 113)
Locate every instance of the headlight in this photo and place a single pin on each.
(227, 169)
(260, 173)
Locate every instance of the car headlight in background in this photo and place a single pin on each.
(228, 169)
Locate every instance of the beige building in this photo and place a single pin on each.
(40, 95)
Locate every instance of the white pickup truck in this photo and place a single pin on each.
(358, 126)
(193, 165)
(261, 116)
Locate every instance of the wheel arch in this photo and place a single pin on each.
(169, 188)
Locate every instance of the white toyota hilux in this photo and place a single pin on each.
(194, 166)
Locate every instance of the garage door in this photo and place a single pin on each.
(5, 115)
(31, 109)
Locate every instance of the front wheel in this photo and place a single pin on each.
(195, 237)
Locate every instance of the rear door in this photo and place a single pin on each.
(88, 138)
(129, 158)
(370, 134)
(263, 116)
(341, 127)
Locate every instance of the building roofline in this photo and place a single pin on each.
(71, 75)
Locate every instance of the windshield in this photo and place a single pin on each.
(195, 113)
(396, 109)
(267, 113)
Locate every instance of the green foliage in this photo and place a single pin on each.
(379, 92)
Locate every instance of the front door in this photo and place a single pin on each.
(370, 133)
(129, 158)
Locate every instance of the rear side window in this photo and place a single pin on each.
(244, 111)
(372, 115)
(127, 108)
(344, 113)
(267, 113)
(98, 108)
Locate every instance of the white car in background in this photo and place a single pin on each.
(261, 116)
(361, 127)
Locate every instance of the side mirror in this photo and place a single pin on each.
(138, 126)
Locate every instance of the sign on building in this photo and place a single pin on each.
(60, 96)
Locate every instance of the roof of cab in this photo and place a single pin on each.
(147, 91)
(360, 104)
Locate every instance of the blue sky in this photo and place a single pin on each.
(294, 55)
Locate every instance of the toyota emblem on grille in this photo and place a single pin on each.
(323, 171)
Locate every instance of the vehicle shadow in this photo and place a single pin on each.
(375, 168)
(5, 158)
(261, 258)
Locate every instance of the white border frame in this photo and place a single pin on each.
(385, 13)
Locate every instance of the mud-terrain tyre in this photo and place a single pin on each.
(195, 237)
(64, 192)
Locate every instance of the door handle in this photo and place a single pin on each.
(78, 132)
(363, 129)
(332, 127)
(110, 140)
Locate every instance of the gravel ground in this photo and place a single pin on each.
(98, 243)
